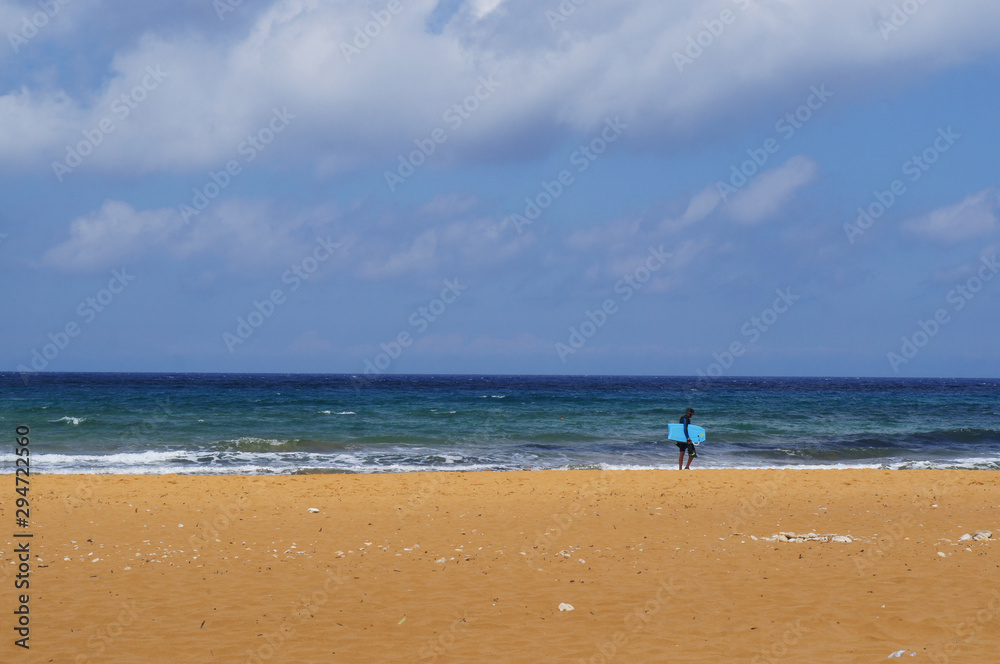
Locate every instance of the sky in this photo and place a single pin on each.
(694, 187)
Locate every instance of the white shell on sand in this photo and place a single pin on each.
(980, 535)
(809, 537)
(313, 509)
(565, 607)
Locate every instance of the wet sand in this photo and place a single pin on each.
(471, 567)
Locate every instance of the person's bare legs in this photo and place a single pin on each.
(680, 462)
(691, 455)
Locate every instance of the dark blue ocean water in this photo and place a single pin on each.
(215, 423)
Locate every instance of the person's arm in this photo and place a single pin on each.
(686, 421)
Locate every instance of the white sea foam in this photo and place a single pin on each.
(125, 462)
(75, 421)
(966, 464)
(417, 459)
(250, 463)
(974, 463)
(251, 440)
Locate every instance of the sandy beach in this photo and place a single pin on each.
(468, 567)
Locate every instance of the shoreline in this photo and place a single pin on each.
(468, 565)
(183, 423)
(616, 469)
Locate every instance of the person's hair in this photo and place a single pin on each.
(690, 411)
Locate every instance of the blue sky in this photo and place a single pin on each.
(501, 186)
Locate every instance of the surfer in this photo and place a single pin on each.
(688, 446)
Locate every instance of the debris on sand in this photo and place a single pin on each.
(810, 537)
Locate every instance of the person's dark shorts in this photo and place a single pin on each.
(688, 447)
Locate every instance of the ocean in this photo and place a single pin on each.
(273, 423)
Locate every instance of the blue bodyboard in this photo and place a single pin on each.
(677, 433)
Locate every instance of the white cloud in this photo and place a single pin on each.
(976, 216)
(419, 255)
(111, 235)
(250, 235)
(245, 235)
(619, 247)
(463, 244)
(480, 241)
(25, 24)
(626, 236)
(481, 8)
(34, 122)
(701, 205)
(603, 61)
(954, 275)
(769, 191)
(614, 236)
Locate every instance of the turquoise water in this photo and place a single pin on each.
(213, 423)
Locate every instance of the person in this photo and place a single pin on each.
(688, 446)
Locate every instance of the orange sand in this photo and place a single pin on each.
(472, 567)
